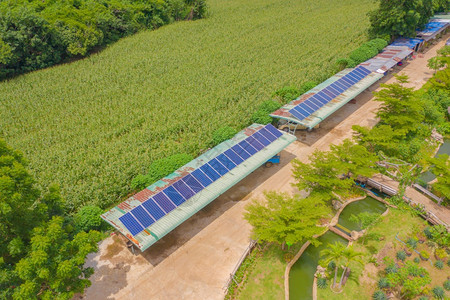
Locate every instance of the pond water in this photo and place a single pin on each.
(301, 276)
(444, 149)
(369, 204)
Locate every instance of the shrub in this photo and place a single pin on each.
(261, 117)
(345, 63)
(269, 106)
(379, 295)
(307, 86)
(391, 269)
(439, 264)
(424, 255)
(401, 255)
(165, 166)
(416, 260)
(287, 93)
(331, 265)
(222, 134)
(140, 182)
(447, 284)
(383, 283)
(427, 232)
(440, 254)
(321, 283)
(423, 298)
(378, 44)
(363, 53)
(438, 292)
(412, 242)
(88, 218)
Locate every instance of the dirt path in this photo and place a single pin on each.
(194, 261)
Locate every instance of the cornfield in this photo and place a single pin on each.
(93, 124)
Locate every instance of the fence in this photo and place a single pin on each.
(428, 193)
(247, 251)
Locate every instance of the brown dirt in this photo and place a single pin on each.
(190, 262)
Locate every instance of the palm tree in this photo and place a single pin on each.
(349, 255)
(334, 253)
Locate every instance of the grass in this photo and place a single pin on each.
(363, 279)
(94, 124)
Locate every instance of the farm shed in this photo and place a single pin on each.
(147, 216)
(433, 28)
(411, 43)
(387, 59)
(314, 106)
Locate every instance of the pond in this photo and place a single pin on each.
(301, 276)
(428, 176)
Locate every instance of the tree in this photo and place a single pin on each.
(409, 280)
(349, 255)
(333, 253)
(441, 169)
(88, 218)
(436, 63)
(399, 18)
(284, 220)
(399, 109)
(54, 267)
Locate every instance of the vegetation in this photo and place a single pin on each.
(379, 295)
(261, 116)
(36, 34)
(41, 255)
(222, 134)
(88, 218)
(401, 255)
(401, 18)
(285, 220)
(121, 110)
(438, 292)
(322, 283)
(365, 52)
(439, 264)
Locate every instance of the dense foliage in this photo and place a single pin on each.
(284, 220)
(160, 168)
(88, 218)
(41, 256)
(395, 18)
(222, 134)
(365, 52)
(35, 34)
(91, 126)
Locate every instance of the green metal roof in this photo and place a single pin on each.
(332, 106)
(163, 226)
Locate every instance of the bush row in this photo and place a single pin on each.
(37, 34)
(365, 52)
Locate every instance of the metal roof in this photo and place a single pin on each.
(407, 42)
(434, 27)
(170, 221)
(332, 106)
(387, 59)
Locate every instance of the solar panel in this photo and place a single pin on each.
(329, 94)
(359, 73)
(273, 130)
(266, 133)
(255, 144)
(131, 223)
(142, 216)
(333, 91)
(348, 82)
(164, 202)
(313, 105)
(260, 138)
(324, 96)
(247, 147)
(213, 175)
(218, 167)
(240, 152)
(340, 85)
(224, 160)
(173, 195)
(183, 189)
(302, 108)
(344, 83)
(153, 209)
(337, 87)
(233, 156)
(320, 99)
(201, 177)
(300, 112)
(193, 183)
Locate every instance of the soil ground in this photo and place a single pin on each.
(195, 260)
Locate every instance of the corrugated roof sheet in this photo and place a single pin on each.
(330, 107)
(407, 42)
(434, 27)
(160, 228)
(387, 59)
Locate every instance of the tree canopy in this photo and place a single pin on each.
(283, 219)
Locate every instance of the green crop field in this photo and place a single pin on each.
(93, 124)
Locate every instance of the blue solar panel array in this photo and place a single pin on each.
(314, 103)
(177, 193)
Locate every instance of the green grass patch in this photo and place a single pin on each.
(94, 124)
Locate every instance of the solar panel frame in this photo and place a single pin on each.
(337, 88)
(334, 91)
(247, 147)
(241, 152)
(233, 156)
(329, 94)
(193, 183)
(201, 177)
(359, 73)
(254, 143)
(324, 96)
(218, 167)
(347, 81)
(164, 202)
(210, 172)
(260, 138)
(131, 224)
(142, 216)
(311, 104)
(344, 83)
(321, 99)
(353, 77)
(268, 135)
(224, 160)
(153, 209)
(340, 85)
(305, 108)
(173, 195)
(297, 114)
(273, 131)
(183, 189)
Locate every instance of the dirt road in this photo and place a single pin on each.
(195, 260)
